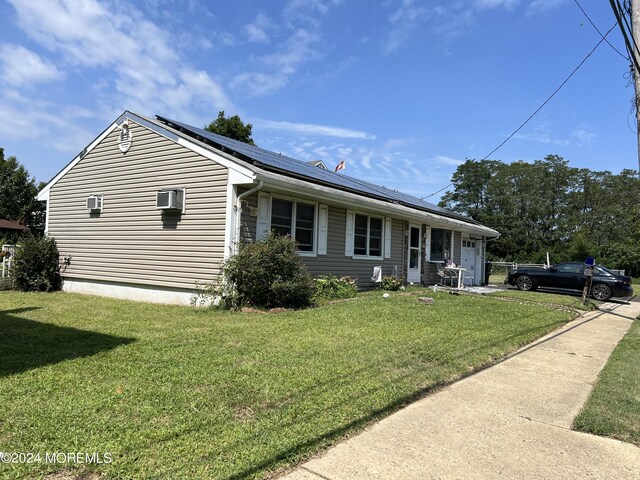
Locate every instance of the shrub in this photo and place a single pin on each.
(331, 287)
(389, 282)
(267, 274)
(35, 266)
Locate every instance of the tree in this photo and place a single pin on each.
(231, 127)
(547, 206)
(17, 194)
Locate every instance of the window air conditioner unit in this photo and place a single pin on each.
(169, 199)
(94, 203)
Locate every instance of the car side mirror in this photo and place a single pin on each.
(553, 269)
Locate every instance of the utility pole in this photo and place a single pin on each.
(635, 34)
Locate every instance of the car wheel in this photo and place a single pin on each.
(601, 292)
(526, 283)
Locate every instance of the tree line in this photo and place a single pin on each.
(548, 206)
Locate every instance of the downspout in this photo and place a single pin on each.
(236, 239)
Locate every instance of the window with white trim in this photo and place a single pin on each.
(440, 245)
(297, 219)
(367, 236)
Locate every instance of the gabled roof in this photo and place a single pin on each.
(278, 163)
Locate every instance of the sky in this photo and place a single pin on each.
(403, 90)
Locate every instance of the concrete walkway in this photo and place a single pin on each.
(510, 421)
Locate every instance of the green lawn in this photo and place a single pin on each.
(178, 392)
(613, 409)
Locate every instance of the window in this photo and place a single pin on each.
(367, 236)
(440, 245)
(281, 216)
(570, 268)
(296, 219)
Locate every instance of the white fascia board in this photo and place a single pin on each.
(239, 178)
(354, 201)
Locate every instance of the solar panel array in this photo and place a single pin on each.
(277, 162)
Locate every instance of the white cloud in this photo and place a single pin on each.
(583, 135)
(281, 64)
(22, 67)
(271, 72)
(541, 6)
(259, 83)
(486, 4)
(313, 130)
(403, 21)
(396, 143)
(444, 160)
(447, 20)
(23, 117)
(257, 31)
(146, 70)
(541, 137)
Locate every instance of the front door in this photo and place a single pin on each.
(415, 245)
(468, 260)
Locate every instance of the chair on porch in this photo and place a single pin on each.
(445, 275)
(468, 275)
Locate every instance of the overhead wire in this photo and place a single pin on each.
(539, 108)
(599, 32)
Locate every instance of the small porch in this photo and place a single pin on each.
(435, 255)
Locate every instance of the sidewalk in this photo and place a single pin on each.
(510, 421)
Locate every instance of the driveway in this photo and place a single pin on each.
(512, 420)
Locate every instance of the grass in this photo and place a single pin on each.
(613, 409)
(177, 392)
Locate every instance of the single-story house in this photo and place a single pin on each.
(153, 206)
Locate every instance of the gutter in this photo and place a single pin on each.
(239, 213)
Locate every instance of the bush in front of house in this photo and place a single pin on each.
(36, 266)
(267, 274)
(331, 287)
(389, 282)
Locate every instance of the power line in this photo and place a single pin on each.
(599, 32)
(540, 107)
(618, 12)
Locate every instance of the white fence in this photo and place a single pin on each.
(500, 270)
(7, 258)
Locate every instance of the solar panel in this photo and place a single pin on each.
(277, 162)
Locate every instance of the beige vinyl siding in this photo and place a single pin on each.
(335, 262)
(132, 241)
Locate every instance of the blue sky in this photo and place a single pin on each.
(403, 90)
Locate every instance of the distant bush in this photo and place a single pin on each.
(389, 282)
(36, 266)
(332, 287)
(267, 274)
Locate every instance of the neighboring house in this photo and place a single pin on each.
(7, 226)
(153, 206)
